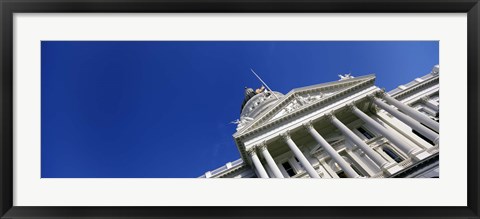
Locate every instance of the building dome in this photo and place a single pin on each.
(249, 93)
(254, 103)
(259, 103)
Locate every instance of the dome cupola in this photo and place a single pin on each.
(259, 102)
(255, 103)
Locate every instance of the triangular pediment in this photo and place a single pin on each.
(301, 98)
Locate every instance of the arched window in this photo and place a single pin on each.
(397, 158)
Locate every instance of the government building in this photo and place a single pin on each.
(343, 129)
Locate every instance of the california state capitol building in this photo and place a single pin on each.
(350, 128)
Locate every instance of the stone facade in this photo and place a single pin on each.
(343, 129)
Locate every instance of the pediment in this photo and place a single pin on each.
(301, 98)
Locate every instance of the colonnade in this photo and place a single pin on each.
(402, 112)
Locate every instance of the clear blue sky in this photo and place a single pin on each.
(163, 109)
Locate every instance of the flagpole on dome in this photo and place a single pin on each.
(263, 83)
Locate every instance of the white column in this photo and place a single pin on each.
(299, 155)
(256, 162)
(382, 163)
(402, 145)
(271, 163)
(428, 103)
(331, 151)
(433, 136)
(411, 112)
(429, 111)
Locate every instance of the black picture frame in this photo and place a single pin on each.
(9, 7)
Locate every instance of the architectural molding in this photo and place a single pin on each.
(381, 93)
(301, 110)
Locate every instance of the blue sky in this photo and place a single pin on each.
(162, 109)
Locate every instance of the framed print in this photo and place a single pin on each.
(239, 109)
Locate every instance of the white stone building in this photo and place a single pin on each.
(346, 128)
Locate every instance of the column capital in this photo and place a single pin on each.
(308, 125)
(286, 135)
(351, 107)
(381, 93)
(252, 151)
(374, 109)
(329, 116)
(371, 97)
(262, 146)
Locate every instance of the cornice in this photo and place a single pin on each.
(404, 93)
(230, 171)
